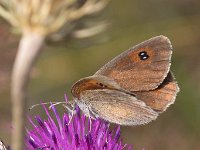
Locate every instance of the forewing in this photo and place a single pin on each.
(160, 98)
(118, 107)
(133, 73)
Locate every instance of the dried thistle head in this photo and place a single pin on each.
(45, 17)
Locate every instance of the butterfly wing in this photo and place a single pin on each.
(160, 98)
(117, 107)
(141, 68)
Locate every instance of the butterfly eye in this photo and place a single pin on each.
(143, 55)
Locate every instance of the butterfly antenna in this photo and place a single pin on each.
(56, 103)
(33, 106)
(47, 103)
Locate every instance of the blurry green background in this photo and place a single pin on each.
(131, 22)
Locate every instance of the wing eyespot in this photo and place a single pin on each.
(143, 55)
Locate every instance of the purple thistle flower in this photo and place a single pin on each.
(76, 135)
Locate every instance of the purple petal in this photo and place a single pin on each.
(47, 135)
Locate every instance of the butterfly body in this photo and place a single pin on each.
(131, 89)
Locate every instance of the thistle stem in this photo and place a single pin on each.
(29, 47)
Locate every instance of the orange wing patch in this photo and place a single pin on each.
(135, 55)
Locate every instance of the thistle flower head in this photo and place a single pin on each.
(47, 16)
(76, 134)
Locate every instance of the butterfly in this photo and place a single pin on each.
(131, 89)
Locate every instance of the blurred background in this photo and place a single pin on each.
(130, 22)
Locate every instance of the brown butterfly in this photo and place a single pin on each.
(131, 89)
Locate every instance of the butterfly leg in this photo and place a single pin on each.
(91, 115)
(90, 120)
(71, 109)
